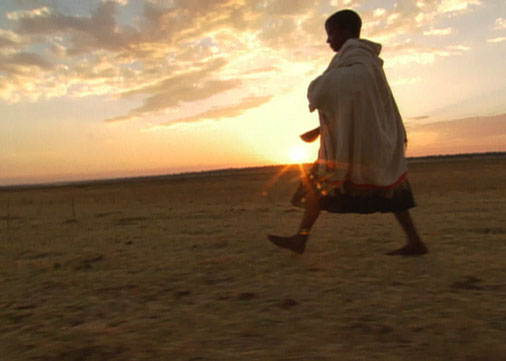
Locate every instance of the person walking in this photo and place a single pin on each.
(361, 166)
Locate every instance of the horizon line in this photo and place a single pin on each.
(83, 182)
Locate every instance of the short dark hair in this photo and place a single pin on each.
(345, 20)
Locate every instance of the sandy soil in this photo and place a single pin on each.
(180, 269)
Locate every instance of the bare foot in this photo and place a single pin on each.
(410, 250)
(295, 243)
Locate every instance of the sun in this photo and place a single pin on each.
(297, 154)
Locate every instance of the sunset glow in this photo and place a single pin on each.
(298, 154)
(112, 88)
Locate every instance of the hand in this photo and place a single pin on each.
(310, 136)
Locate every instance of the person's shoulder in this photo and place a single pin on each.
(369, 44)
(334, 61)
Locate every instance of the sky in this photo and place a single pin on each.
(116, 88)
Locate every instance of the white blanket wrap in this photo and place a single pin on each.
(362, 135)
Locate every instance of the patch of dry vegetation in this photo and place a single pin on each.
(180, 269)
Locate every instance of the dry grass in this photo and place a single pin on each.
(180, 269)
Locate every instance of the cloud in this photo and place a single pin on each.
(28, 14)
(420, 117)
(445, 31)
(458, 48)
(499, 39)
(500, 24)
(121, 2)
(266, 69)
(223, 112)
(379, 12)
(164, 50)
(99, 31)
(341, 3)
(97, 55)
(411, 17)
(466, 128)
(7, 39)
(101, 56)
(173, 91)
(406, 81)
(199, 72)
(23, 64)
(407, 53)
(449, 6)
(22, 59)
(475, 134)
(278, 32)
(289, 7)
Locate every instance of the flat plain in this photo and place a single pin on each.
(179, 268)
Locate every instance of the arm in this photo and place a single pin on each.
(310, 136)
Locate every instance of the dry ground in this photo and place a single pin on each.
(180, 269)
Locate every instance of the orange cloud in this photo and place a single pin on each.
(449, 6)
(500, 24)
(475, 134)
(438, 32)
(161, 55)
(223, 112)
(498, 39)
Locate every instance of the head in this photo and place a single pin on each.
(341, 26)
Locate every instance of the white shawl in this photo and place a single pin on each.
(362, 135)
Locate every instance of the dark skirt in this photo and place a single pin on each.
(348, 198)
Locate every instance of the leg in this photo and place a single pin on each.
(311, 214)
(297, 242)
(414, 245)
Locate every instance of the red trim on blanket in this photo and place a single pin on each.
(371, 186)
